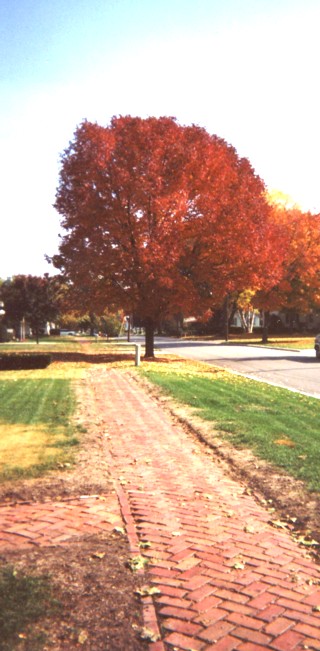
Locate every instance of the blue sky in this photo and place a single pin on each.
(247, 70)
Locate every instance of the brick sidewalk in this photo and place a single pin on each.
(54, 523)
(228, 579)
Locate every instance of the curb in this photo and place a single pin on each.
(148, 609)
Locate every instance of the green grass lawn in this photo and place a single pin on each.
(45, 345)
(277, 425)
(36, 432)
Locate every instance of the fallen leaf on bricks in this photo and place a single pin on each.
(238, 566)
(119, 530)
(147, 591)
(137, 563)
(307, 543)
(278, 524)
(147, 633)
(83, 636)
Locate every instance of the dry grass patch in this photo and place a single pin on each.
(28, 446)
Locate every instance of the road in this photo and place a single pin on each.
(295, 370)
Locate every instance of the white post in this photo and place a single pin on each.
(137, 355)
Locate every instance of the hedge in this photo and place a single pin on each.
(21, 361)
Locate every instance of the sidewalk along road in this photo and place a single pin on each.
(228, 575)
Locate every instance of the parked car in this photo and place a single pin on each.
(317, 346)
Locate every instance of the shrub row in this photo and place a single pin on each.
(21, 361)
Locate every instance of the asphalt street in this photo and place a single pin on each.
(298, 370)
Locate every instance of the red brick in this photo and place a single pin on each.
(171, 591)
(184, 642)
(267, 571)
(184, 553)
(246, 578)
(196, 582)
(182, 626)
(155, 561)
(182, 613)
(249, 646)
(161, 571)
(261, 601)
(211, 616)
(227, 643)
(255, 589)
(222, 580)
(221, 569)
(172, 601)
(232, 596)
(216, 559)
(312, 620)
(163, 580)
(178, 547)
(248, 635)
(188, 574)
(23, 533)
(278, 626)
(311, 644)
(311, 631)
(282, 560)
(238, 608)
(201, 593)
(206, 604)
(287, 594)
(216, 631)
(156, 646)
(244, 620)
(288, 641)
(294, 605)
(313, 599)
(188, 564)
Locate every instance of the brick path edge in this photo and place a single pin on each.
(150, 619)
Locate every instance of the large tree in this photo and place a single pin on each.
(159, 218)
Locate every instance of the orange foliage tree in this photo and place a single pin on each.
(298, 287)
(160, 218)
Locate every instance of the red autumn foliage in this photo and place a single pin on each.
(298, 288)
(161, 218)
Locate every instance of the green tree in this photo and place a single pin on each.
(32, 298)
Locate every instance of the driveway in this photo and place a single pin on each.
(295, 370)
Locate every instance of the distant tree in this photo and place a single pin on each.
(106, 323)
(32, 298)
(246, 310)
(159, 219)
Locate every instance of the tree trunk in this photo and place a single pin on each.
(226, 318)
(149, 337)
(265, 329)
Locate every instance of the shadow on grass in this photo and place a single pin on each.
(98, 358)
(102, 358)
